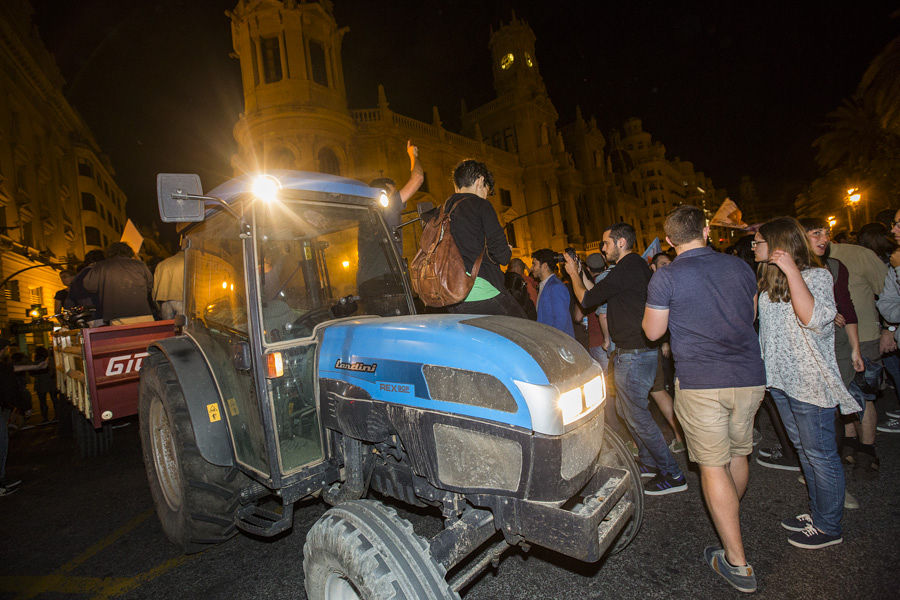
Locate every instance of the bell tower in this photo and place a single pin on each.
(295, 102)
(513, 60)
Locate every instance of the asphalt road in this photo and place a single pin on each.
(85, 528)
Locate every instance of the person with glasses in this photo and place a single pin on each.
(796, 334)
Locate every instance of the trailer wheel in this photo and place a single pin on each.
(616, 454)
(195, 500)
(91, 442)
(361, 549)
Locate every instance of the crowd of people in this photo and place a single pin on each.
(785, 319)
(112, 287)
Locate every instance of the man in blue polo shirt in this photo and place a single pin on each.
(707, 301)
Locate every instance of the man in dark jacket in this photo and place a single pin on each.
(476, 229)
(123, 283)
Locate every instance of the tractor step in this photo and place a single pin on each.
(264, 522)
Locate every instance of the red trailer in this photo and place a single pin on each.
(97, 375)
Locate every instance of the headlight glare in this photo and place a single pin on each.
(570, 405)
(595, 391)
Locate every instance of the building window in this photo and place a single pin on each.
(28, 234)
(505, 197)
(37, 295)
(317, 64)
(85, 168)
(88, 202)
(91, 236)
(271, 57)
(109, 219)
(255, 61)
(328, 162)
(11, 291)
(511, 235)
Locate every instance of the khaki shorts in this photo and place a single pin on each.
(718, 423)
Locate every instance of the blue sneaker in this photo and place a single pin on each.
(664, 484)
(812, 538)
(741, 578)
(647, 472)
(798, 523)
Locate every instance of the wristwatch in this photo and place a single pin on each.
(892, 328)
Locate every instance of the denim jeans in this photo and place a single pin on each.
(811, 430)
(634, 378)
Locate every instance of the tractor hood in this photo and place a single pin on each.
(469, 365)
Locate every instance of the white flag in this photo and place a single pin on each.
(728, 215)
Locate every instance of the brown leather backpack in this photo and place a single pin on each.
(437, 272)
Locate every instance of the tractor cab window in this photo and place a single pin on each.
(216, 309)
(320, 261)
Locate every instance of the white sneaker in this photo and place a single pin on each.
(889, 426)
(850, 502)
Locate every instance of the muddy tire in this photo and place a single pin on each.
(195, 500)
(362, 549)
(616, 454)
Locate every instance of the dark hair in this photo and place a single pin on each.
(622, 231)
(546, 256)
(744, 251)
(877, 238)
(40, 353)
(886, 217)
(685, 224)
(659, 255)
(68, 272)
(468, 171)
(94, 256)
(382, 183)
(119, 249)
(810, 223)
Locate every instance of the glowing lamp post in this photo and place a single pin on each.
(853, 199)
(831, 222)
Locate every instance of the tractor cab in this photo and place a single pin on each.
(271, 259)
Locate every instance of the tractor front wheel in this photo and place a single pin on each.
(361, 549)
(616, 454)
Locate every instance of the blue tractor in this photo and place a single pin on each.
(301, 369)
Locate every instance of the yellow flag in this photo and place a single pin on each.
(132, 237)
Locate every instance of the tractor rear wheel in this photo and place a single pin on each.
(361, 549)
(195, 500)
(616, 454)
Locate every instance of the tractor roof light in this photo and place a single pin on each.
(266, 187)
(383, 199)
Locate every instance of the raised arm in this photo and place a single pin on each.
(417, 175)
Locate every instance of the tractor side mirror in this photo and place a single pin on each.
(240, 356)
(174, 192)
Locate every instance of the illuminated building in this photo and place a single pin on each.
(58, 195)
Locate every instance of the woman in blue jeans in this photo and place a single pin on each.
(796, 334)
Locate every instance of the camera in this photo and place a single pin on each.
(560, 259)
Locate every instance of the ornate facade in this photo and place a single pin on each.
(58, 196)
(555, 186)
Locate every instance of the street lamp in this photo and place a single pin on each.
(831, 222)
(853, 199)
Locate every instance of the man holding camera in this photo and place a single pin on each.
(553, 295)
(625, 292)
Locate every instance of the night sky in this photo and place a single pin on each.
(736, 88)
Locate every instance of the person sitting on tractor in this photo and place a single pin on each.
(123, 283)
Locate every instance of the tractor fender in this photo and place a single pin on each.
(201, 396)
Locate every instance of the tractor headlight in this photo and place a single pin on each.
(575, 403)
(383, 200)
(265, 187)
(570, 405)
